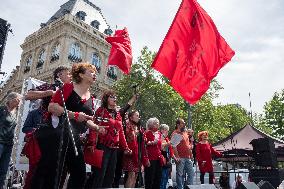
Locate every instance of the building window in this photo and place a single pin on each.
(28, 64)
(65, 11)
(96, 61)
(75, 54)
(95, 24)
(55, 52)
(41, 59)
(81, 15)
(112, 72)
(108, 31)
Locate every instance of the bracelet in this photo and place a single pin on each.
(76, 115)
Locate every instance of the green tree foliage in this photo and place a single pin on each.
(260, 123)
(221, 120)
(274, 114)
(158, 99)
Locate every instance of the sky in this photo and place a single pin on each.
(253, 28)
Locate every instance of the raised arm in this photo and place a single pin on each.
(34, 95)
(214, 152)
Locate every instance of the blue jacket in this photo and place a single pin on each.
(33, 119)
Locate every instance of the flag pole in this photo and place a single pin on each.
(250, 107)
(139, 91)
(189, 116)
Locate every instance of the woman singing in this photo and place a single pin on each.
(80, 105)
(204, 153)
(130, 161)
(109, 141)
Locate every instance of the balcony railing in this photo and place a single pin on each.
(27, 69)
(54, 58)
(74, 58)
(112, 75)
(39, 64)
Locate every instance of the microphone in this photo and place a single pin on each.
(58, 82)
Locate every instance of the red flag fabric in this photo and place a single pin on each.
(192, 52)
(121, 52)
(32, 149)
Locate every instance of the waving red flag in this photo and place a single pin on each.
(192, 52)
(120, 53)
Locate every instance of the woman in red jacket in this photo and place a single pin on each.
(130, 161)
(108, 141)
(204, 153)
(153, 167)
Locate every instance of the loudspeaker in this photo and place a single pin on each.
(273, 176)
(265, 185)
(263, 145)
(248, 185)
(202, 186)
(264, 152)
(3, 37)
(266, 159)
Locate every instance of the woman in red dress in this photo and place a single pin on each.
(130, 161)
(204, 152)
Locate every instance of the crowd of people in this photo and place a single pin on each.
(67, 131)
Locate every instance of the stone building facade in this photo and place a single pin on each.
(75, 33)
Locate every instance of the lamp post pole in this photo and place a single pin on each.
(189, 116)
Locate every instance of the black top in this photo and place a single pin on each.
(7, 126)
(74, 103)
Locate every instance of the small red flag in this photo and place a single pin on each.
(192, 52)
(121, 52)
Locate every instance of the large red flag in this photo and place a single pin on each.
(192, 52)
(120, 53)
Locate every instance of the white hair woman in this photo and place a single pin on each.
(167, 153)
(13, 101)
(7, 128)
(153, 141)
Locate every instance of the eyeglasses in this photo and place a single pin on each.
(113, 97)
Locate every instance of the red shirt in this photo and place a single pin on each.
(114, 137)
(67, 90)
(184, 147)
(153, 151)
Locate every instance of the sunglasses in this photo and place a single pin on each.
(113, 97)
